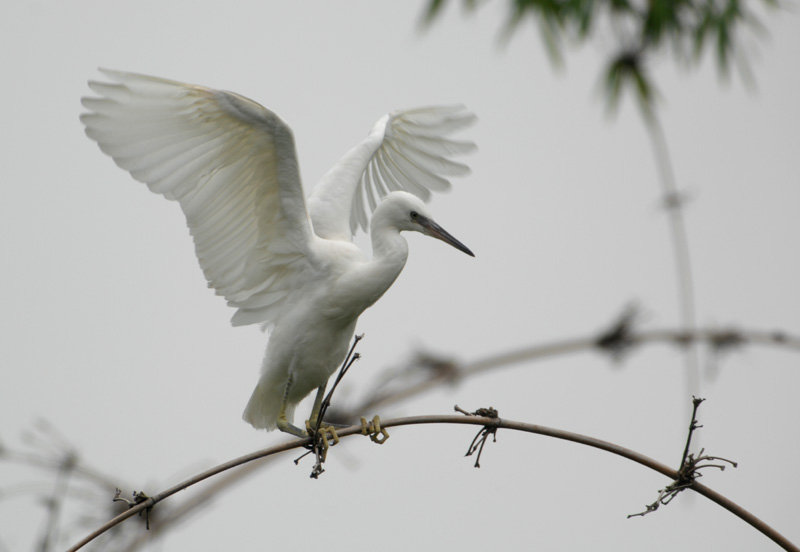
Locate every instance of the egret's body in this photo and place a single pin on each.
(283, 263)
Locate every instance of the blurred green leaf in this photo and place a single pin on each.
(684, 28)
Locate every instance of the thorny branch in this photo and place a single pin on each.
(427, 372)
(726, 503)
(688, 471)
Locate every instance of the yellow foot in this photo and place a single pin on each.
(322, 437)
(374, 430)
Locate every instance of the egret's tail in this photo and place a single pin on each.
(264, 406)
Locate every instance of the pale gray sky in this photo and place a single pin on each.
(111, 334)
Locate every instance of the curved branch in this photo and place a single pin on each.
(462, 420)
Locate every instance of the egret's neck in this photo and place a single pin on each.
(389, 250)
(363, 284)
(387, 243)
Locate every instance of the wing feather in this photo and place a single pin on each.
(232, 167)
(406, 150)
(401, 180)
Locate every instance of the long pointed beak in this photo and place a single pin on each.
(436, 231)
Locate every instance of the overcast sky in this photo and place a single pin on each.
(111, 335)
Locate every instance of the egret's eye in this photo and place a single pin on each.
(414, 215)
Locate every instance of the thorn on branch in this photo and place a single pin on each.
(779, 336)
(675, 201)
(438, 367)
(480, 439)
(138, 498)
(689, 469)
(618, 340)
(726, 340)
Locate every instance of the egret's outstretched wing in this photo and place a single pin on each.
(232, 166)
(406, 150)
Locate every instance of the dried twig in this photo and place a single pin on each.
(688, 471)
(319, 444)
(351, 357)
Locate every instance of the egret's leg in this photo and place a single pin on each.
(283, 422)
(286, 427)
(374, 430)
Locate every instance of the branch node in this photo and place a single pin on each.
(618, 340)
(480, 439)
(722, 341)
(675, 200)
(138, 498)
(689, 469)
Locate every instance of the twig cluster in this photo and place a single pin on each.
(138, 498)
(480, 439)
(688, 471)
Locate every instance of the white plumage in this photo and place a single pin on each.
(281, 262)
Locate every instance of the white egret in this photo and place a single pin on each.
(281, 261)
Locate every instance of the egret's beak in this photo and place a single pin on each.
(434, 230)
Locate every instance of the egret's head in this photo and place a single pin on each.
(407, 212)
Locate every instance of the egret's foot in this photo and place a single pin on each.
(321, 437)
(374, 430)
(286, 427)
